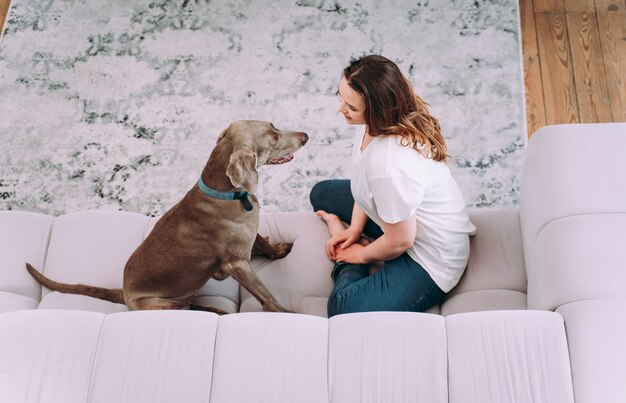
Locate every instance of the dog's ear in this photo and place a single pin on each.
(242, 170)
(221, 135)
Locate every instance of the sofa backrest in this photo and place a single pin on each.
(573, 214)
(23, 238)
(495, 277)
(573, 218)
(90, 247)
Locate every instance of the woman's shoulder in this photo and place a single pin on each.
(399, 153)
(388, 158)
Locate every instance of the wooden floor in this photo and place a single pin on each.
(574, 60)
(4, 8)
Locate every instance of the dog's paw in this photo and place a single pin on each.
(280, 250)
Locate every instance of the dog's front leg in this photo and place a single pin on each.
(243, 272)
(262, 246)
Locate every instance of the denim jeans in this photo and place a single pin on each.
(400, 285)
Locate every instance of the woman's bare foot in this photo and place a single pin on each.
(335, 225)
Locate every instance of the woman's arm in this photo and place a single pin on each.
(395, 241)
(350, 235)
(359, 219)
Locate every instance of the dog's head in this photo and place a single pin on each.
(255, 143)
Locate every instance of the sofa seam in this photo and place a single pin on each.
(44, 263)
(217, 328)
(328, 360)
(543, 228)
(554, 220)
(95, 355)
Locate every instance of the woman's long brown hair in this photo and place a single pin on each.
(393, 108)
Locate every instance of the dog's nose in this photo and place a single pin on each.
(303, 137)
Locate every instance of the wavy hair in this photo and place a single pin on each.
(393, 108)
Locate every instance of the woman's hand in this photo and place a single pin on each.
(352, 254)
(397, 238)
(342, 241)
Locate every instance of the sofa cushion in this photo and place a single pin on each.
(10, 301)
(91, 247)
(508, 356)
(483, 300)
(570, 173)
(300, 281)
(23, 238)
(57, 300)
(47, 356)
(495, 277)
(155, 356)
(596, 330)
(578, 258)
(74, 356)
(387, 357)
(271, 357)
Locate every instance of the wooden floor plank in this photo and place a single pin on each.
(579, 6)
(535, 106)
(611, 15)
(557, 74)
(4, 10)
(591, 88)
(547, 6)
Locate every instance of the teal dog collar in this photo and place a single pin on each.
(242, 196)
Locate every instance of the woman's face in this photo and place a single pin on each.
(351, 104)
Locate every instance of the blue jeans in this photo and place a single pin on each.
(400, 285)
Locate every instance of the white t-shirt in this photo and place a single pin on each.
(391, 183)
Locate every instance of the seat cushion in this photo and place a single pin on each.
(483, 300)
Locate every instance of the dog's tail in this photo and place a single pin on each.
(112, 295)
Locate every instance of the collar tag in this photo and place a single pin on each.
(246, 202)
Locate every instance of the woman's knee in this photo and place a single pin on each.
(317, 194)
(324, 194)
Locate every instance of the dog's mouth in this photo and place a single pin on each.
(280, 160)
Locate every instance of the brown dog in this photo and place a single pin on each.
(211, 232)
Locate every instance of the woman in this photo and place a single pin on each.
(401, 196)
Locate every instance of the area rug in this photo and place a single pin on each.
(117, 104)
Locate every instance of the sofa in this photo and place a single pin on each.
(538, 316)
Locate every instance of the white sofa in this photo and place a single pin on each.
(539, 315)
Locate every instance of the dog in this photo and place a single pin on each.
(211, 232)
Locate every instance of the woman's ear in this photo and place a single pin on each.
(242, 171)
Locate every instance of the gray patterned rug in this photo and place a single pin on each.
(117, 104)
